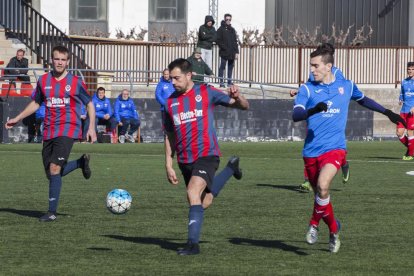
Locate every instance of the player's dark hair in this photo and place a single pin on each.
(227, 15)
(21, 50)
(61, 49)
(326, 50)
(410, 64)
(183, 64)
(100, 88)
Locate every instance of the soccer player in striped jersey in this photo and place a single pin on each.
(189, 126)
(63, 94)
(406, 101)
(324, 105)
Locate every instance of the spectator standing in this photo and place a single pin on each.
(164, 89)
(199, 67)
(207, 35)
(229, 50)
(126, 116)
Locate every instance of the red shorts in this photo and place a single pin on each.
(313, 165)
(409, 120)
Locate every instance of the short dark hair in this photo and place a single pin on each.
(227, 15)
(326, 50)
(100, 88)
(61, 49)
(182, 63)
(410, 64)
(21, 50)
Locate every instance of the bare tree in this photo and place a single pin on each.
(361, 37)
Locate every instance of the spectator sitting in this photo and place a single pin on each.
(103, 110)
(17, 62)
(164, 89)
(126, 116)
(199, 67)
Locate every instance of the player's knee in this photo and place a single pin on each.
(400, 132)
(54, 169)
(323, 191)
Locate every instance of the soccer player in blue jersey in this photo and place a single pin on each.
(406, 135)
(63, 95)
(337, 73)
(189, 126)
(324, 105)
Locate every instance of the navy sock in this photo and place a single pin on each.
(55, 184)
(70, 166)
(220, 180)
(195, 221)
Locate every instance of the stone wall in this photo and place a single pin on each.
(266, 120)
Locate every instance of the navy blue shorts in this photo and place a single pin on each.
(204, 167)
(56, 151)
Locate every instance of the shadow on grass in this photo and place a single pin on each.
(269, 244)
(99, 248)
(385, 158)
(163, 243)
(290, 188)
(26, 213)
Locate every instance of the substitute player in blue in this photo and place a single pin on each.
(189, 126)
(337, 73)
(406, 100)
(324, 105)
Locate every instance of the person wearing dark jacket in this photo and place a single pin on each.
(207, 35)
(126, 116)
(199, 67)
(19, 65)
(229, 50)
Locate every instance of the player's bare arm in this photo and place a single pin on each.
(237, 100)
(91, 134)
(29, 110)
(169, 154)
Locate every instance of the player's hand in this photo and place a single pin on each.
(120, 124)
(91, 136)
(319, 107)
(400, 102)
(234, 91)
(394, 117)
(293, 93)
(106, 116)
(171, 176)
(10, 123)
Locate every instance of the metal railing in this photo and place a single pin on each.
(106, 78)
(23, 22)
(260, 64)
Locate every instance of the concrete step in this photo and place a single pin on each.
(7, 52)
(6, 44)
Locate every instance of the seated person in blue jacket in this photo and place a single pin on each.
(103, 110)
(126, 116)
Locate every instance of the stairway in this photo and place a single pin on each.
(8, 49)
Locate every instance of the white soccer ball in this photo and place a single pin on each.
(118, 201)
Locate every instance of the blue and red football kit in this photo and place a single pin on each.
(190, 116)
(326, 130)
(63, 99)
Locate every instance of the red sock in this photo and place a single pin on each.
(403, 139)
(410, 145)
(319, 208)
(329, 219)
(305, 174)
